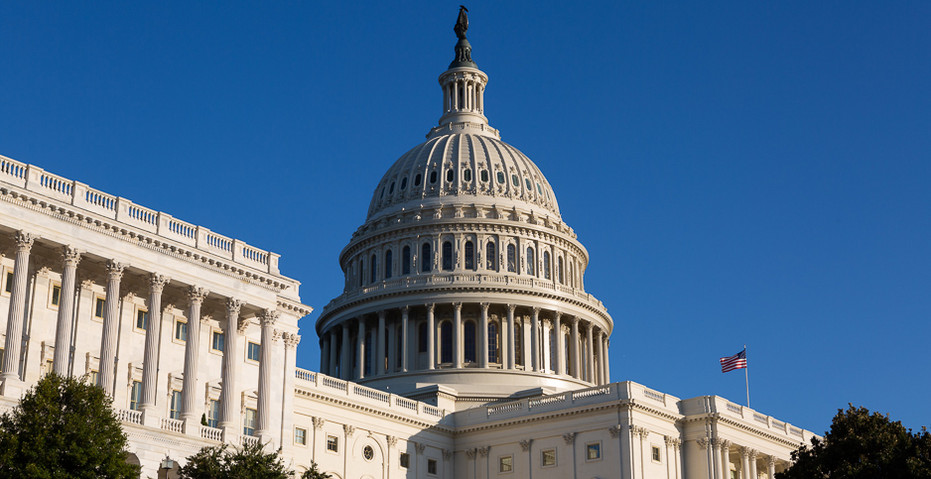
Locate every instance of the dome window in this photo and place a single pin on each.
(467, 175)
(406, 260)
(417, 180)
(468, 335)
(512, 259)
(433, 176)
(546, 265)
(530, 268)
(391, 188)
(450, 175)
(491, 259)
(514, 180)
(388, 264)
(493, 343)
(382, 195)
(446, 342)
(469, 255)
(484, 175)
(373, 269)
(539, 190)
(426, 258)
(403, 183)
(527, 183)
(448, 255)
(500, 176)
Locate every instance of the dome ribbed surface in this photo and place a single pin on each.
(452, 165)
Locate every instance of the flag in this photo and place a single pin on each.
(737, 361)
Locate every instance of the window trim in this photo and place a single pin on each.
(501, 464)
(213, 333)
(8, 279)
(334, 442)
(103, 308)
(136, 328)
(303, 443)
(588, 445)
(51, 295)
(249, 343)
(435, 464)
(543, 457)
(656, 451)
(175, 330)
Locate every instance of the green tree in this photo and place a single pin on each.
(863, 445)
(314, 473)
(63, 428)
(223, 462)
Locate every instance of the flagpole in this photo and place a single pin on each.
(747, 374)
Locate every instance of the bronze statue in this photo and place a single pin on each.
(462, 23)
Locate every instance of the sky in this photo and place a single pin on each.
(740, 172)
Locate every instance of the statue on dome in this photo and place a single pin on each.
(462, 23)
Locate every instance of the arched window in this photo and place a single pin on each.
(448, 255)
(368, 352)
(403, 183)
(421, 337)
(426, 258)
(417, 180)
(469, 341)
(397, 340)
(546, 265)
(433, 176)
(446, 342)
(361, 271)
(566, 342)
(406, 260)
(391, 188)
(491, 257)
(493, 342)
(469, 255)
(518, 339)
(388, 265)
(530, 269)
(512, 259)
(559, 271)
(450, 176)
(373, 269)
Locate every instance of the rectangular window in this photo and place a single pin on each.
(135, 396)
(248, 422)
(332, 443)
(142, 319)
(593, 451)
(9, 282)
(94, 376)
(253, 351)
(431, 466)
(218, 341)
(656, 456)
(181, 330)
(405, 460)
(175, 409)
(213, 413)
(98, 307)
(548, 457)
(55, 298)
(300, 436)
(505, 463)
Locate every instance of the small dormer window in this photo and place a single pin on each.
(417, 180)
(515, 181)
(391, 188)
(484, 175)
(500, 176)
(527, 183)
(539, 189)
(467, 175)
(403, 183)
(433, 176)
(382, 195)
(450, 175)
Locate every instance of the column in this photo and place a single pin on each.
(512, 338)
(345, 368)
(12, 385)
(153, 329)
(607, 359)
(334, 341)
(771, 464)
(574, 347)
(263, 414)
(431, 337)
(71, 259)
(716, 446)
(286, 439)
(457, 335)
(483, 334)
(360, 342)
(590, 359)
(392, 346)
(229, 394)
(380, 347)
(535, 339)
(752, 458)
(745, 463)
(325, 354)
(598, 377)
(405, 349)
(725, 459)
(111, 326)
(189, 391)
(560, 344)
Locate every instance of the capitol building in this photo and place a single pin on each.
(463, 345)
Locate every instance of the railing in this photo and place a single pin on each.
(654, 395)
(173, 425)
(371, 393)
(212, 433)
(249, 440)
(547, 400)
(795, 431)
(334, 383)
(81, 196)
(405, 403)
(760, 418)
(505, 408)
(734, 408)
(128, 415)
(304, 374)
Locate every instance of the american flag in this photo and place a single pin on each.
(737, 361)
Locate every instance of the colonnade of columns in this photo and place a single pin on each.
(749, 465)
(535, 340)
(12, 372)
(463, 95)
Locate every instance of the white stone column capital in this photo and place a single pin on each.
(196, 294)
(71, 256)
(24, 241)
(157, 282)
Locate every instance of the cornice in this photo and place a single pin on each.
(294, 307)
(142, 239)
(363, 408)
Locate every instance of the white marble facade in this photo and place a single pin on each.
(464, 344)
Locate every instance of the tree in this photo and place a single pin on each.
(222, 462)
(863, 445)
(314, 473)
(63, 428)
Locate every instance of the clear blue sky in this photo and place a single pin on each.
(740, 172)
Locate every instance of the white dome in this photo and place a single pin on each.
(476, 168)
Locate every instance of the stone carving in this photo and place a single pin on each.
(233, 306)
(470, 453)
(704, 442)
(349, 430)
(420, 448)
(269, 317)
(447, 454)
(115, 270)
(24, 240)
(569, 437)
(525, 444)
(157, 281)
(392, 441)
(196, 294)
(483, 451)
(615, 431)
(319, 422)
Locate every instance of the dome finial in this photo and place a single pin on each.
(463, 49)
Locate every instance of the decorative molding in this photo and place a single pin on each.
(24, 240)
(318, 422)
(525, 444)
(196, 294)
(447, 454)
(615, 431)
(470, 453)
(569, 437)
(483, 451)
(392, 441)
(157, 281)
(420, 447)
(349, 430)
